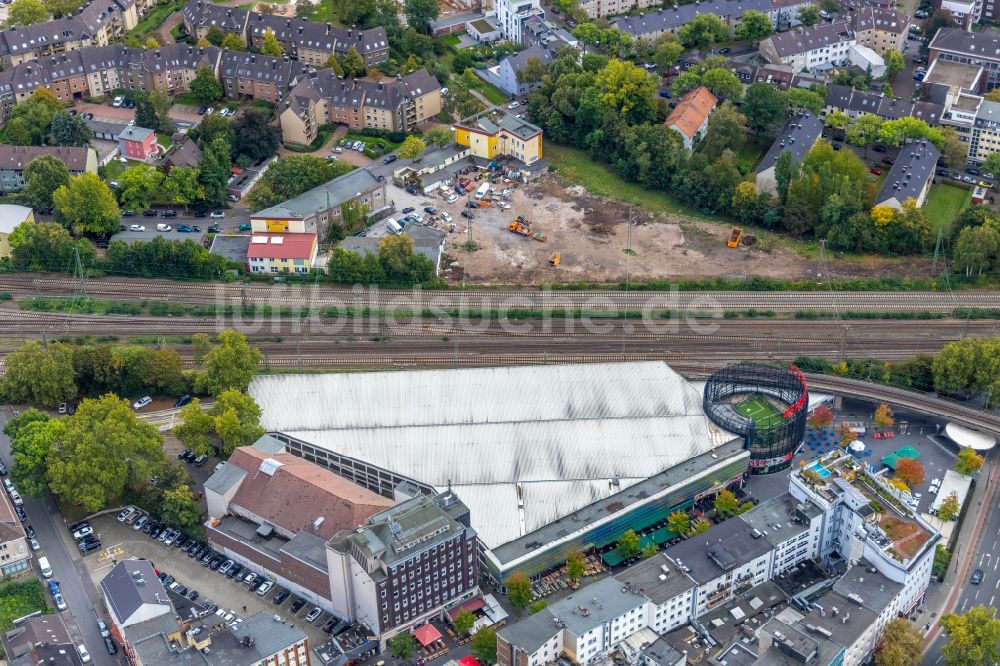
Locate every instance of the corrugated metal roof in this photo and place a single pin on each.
(561, 432)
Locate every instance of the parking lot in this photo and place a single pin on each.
(125, 543)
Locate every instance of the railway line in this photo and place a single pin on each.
(325, 296)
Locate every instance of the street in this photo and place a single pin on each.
(44, 516)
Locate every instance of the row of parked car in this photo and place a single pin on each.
(86, 539)
(18, 503)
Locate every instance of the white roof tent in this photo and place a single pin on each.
(521, 446)
(969, 438)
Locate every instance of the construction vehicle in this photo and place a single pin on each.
(519, 228)
(734, 237)
(554, 259)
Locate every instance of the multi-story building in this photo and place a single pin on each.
(307, 41)
(41, 640)
(856, 102)
(394, 105)
(813, 49)
(793, 527)
(910, 176)
(282, 253)
(505, 73)
(134, 597)
(96, 24)
(511, 16)
(975, 49)
(405, 565)
(137, 143)
(313, 211)
(880, 28)
(512, 137)
(667, 589)
(796, 137)
(15, 556)
(690, 117)
(783, 14)
(13, 159)
(256, 76)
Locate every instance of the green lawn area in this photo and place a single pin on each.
(944, 203)
(576, 167)
(748, 155)
(321, 12)
(154, 19)
(452, 39)
(760, 410)
(490, 92)
(374, 153)
(165, 140)
(19, 598)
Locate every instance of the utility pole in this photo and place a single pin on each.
(78, 269)
(937, 251)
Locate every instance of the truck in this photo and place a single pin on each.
(44, 568)
(482, 190)
(521, 227)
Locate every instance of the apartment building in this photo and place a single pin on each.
(394, 105)
(40, 640)
(405, 565)
(856, 102)
(273, 513)
(650, 25)
(13, 159)
(880, 28)
(96, 24)
(813, 49)
(512, 137)
(791, 526)
(307, 41)
(511, 16)
(15, 556)
(796, 137)
(667, 590)
(910, 176)
(690, 117)
(977, 50)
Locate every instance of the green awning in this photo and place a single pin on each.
(612, 558)
(891, 461)
(908, 452)
(663, 535)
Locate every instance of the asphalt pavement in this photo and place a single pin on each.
(67, 567)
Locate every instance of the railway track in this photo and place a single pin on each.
(323, 296)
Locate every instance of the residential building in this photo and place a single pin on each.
(138, 143)
(793, 527)
(880, 28)
(511, 137)
(405, 565)
(427, 241)
(11, 217)
(974, 49)
(911, 175)
(856, 102)
(40, 640)
(273, 513)
(984, 138)
(690, 117)
(183, 153)
(13, 159)
(815, 49)
(796, 137)
(667, 589)
(315, 210)
(134, 596)
(505, 74)
(393, 105)
(512, 14)
(282, 253)
(200, 17)
(255, 76)
(248, 177)
(650, 25)
(97, 23)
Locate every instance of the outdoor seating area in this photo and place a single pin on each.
(892, 459)
(824, 440)
(431, 641)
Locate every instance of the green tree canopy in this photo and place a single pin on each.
(484, 645)
(204, 86)
(196, 428)
(703, 30)
(67, 130)
(574, 566)
(628, 544)
(949, 508)
(39, 374)
(403, 646)
(808, 15)
(679, 522)
(765, 108)
(31, 450)
(271, 46)
(180, 508)
(412, 148)
(292, 175)
(231, 364)
(420, 13)
(464, 620)
(973, 637)
(43, 176)
(26, 12)
(256, 137)
(137, 185)
(518, 590)
(23, 418)
(237, 419)
(754, 26)
(86, 205)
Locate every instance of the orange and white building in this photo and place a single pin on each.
(690, 117)
(282, 253)
(512, 137)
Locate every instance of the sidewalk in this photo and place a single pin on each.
(943, 600)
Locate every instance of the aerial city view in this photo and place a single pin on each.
(500, 332)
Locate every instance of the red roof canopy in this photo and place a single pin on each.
(468, 661)
(427, 634)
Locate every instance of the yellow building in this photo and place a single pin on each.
(11, 217)
(512, 137)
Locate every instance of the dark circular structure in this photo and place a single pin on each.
(766, 405)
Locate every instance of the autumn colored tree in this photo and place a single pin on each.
(901, 645)
(949, 508)
(910, 471)
(968, 462)
(883, 417)
(519, 590)
(845, 435)
(821, 417)
(574, 566)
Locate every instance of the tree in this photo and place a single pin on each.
(26, 12)
(464, 620)
(484, 645)
(941, 18)
(726, 130)
(161, 103)
(201, 344)
(702, 31)
(60, 8)
(412, 147)
(883, 416)
(910, 471)
(901, 645)
(136, 186)
(215, 36)
(16, 423)
(954, 152)
(973, 637)
(800, 99)
(967, 462)
(403, 646)
(899, 484)
(845, 436)
(894, 63)
(679, 522)
(39, 375)
(518, 589)
(212, 127)
(256, 137)
(863, 131)
(949, 508)
(809, 15)
(152, 42)
(420, 13)
(31, 450)
(48, 246)
(196, 428)
(699, 526)
(628, 90)
(214, 169)
(784, 171)
(726, 504)
(898, 131)
(723, 83)
(86, 205)
(43, 176)
(438, 136)
(333, 62)
(821, 417)
(237, 419)
(145, 113)
(231, 364)
(628, 544)
(765, 107)
(205, 87)
(182, 187)
(105, 451)
(574, 566)
(31, 119)
(754, 27)
(233, 42)
(181, 508)
(353, 63)
(667, 52)
(292, 175)
(271, 46)
(67, 130)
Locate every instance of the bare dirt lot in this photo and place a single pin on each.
(591, 235)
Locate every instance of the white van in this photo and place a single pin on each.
(393, 226)
(43, 566)
(482, 190)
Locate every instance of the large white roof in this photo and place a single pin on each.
(553, 434)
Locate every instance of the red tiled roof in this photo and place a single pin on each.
(692, 111)
(299, 492)
(290, 246)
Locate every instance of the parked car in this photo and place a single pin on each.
(110, 645)
(200, 460)
(245, 226)
(84, 655)
(329, 625)
(118, 101)
(251, 577)
(297, 605)
(888, 160)
(389, 159)
(181, 228)
(264, 588)
(235, 571)
(34, 544)
(513, 105)
(452, 198)
(149, 213)
(468, 214)
(127, 511)
(446, 216)
(257, 582)
(408, 209)
(62, 405)
(226, 567)
(874, 171)
(280, 596)
(137, 227)
(75, 526)
(879, 149)
(29, 531)
(313, 614)
(163, 227)
(142, 402)
(21, 515)
(140, 521)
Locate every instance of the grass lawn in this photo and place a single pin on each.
(19, 598)
(576, 167)
(490, 92)
(387, 146)
(154, 19)
(748, 155)
(452, 39)
(321, 12)
(760, 410)
(165, 140)
(944, 203)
